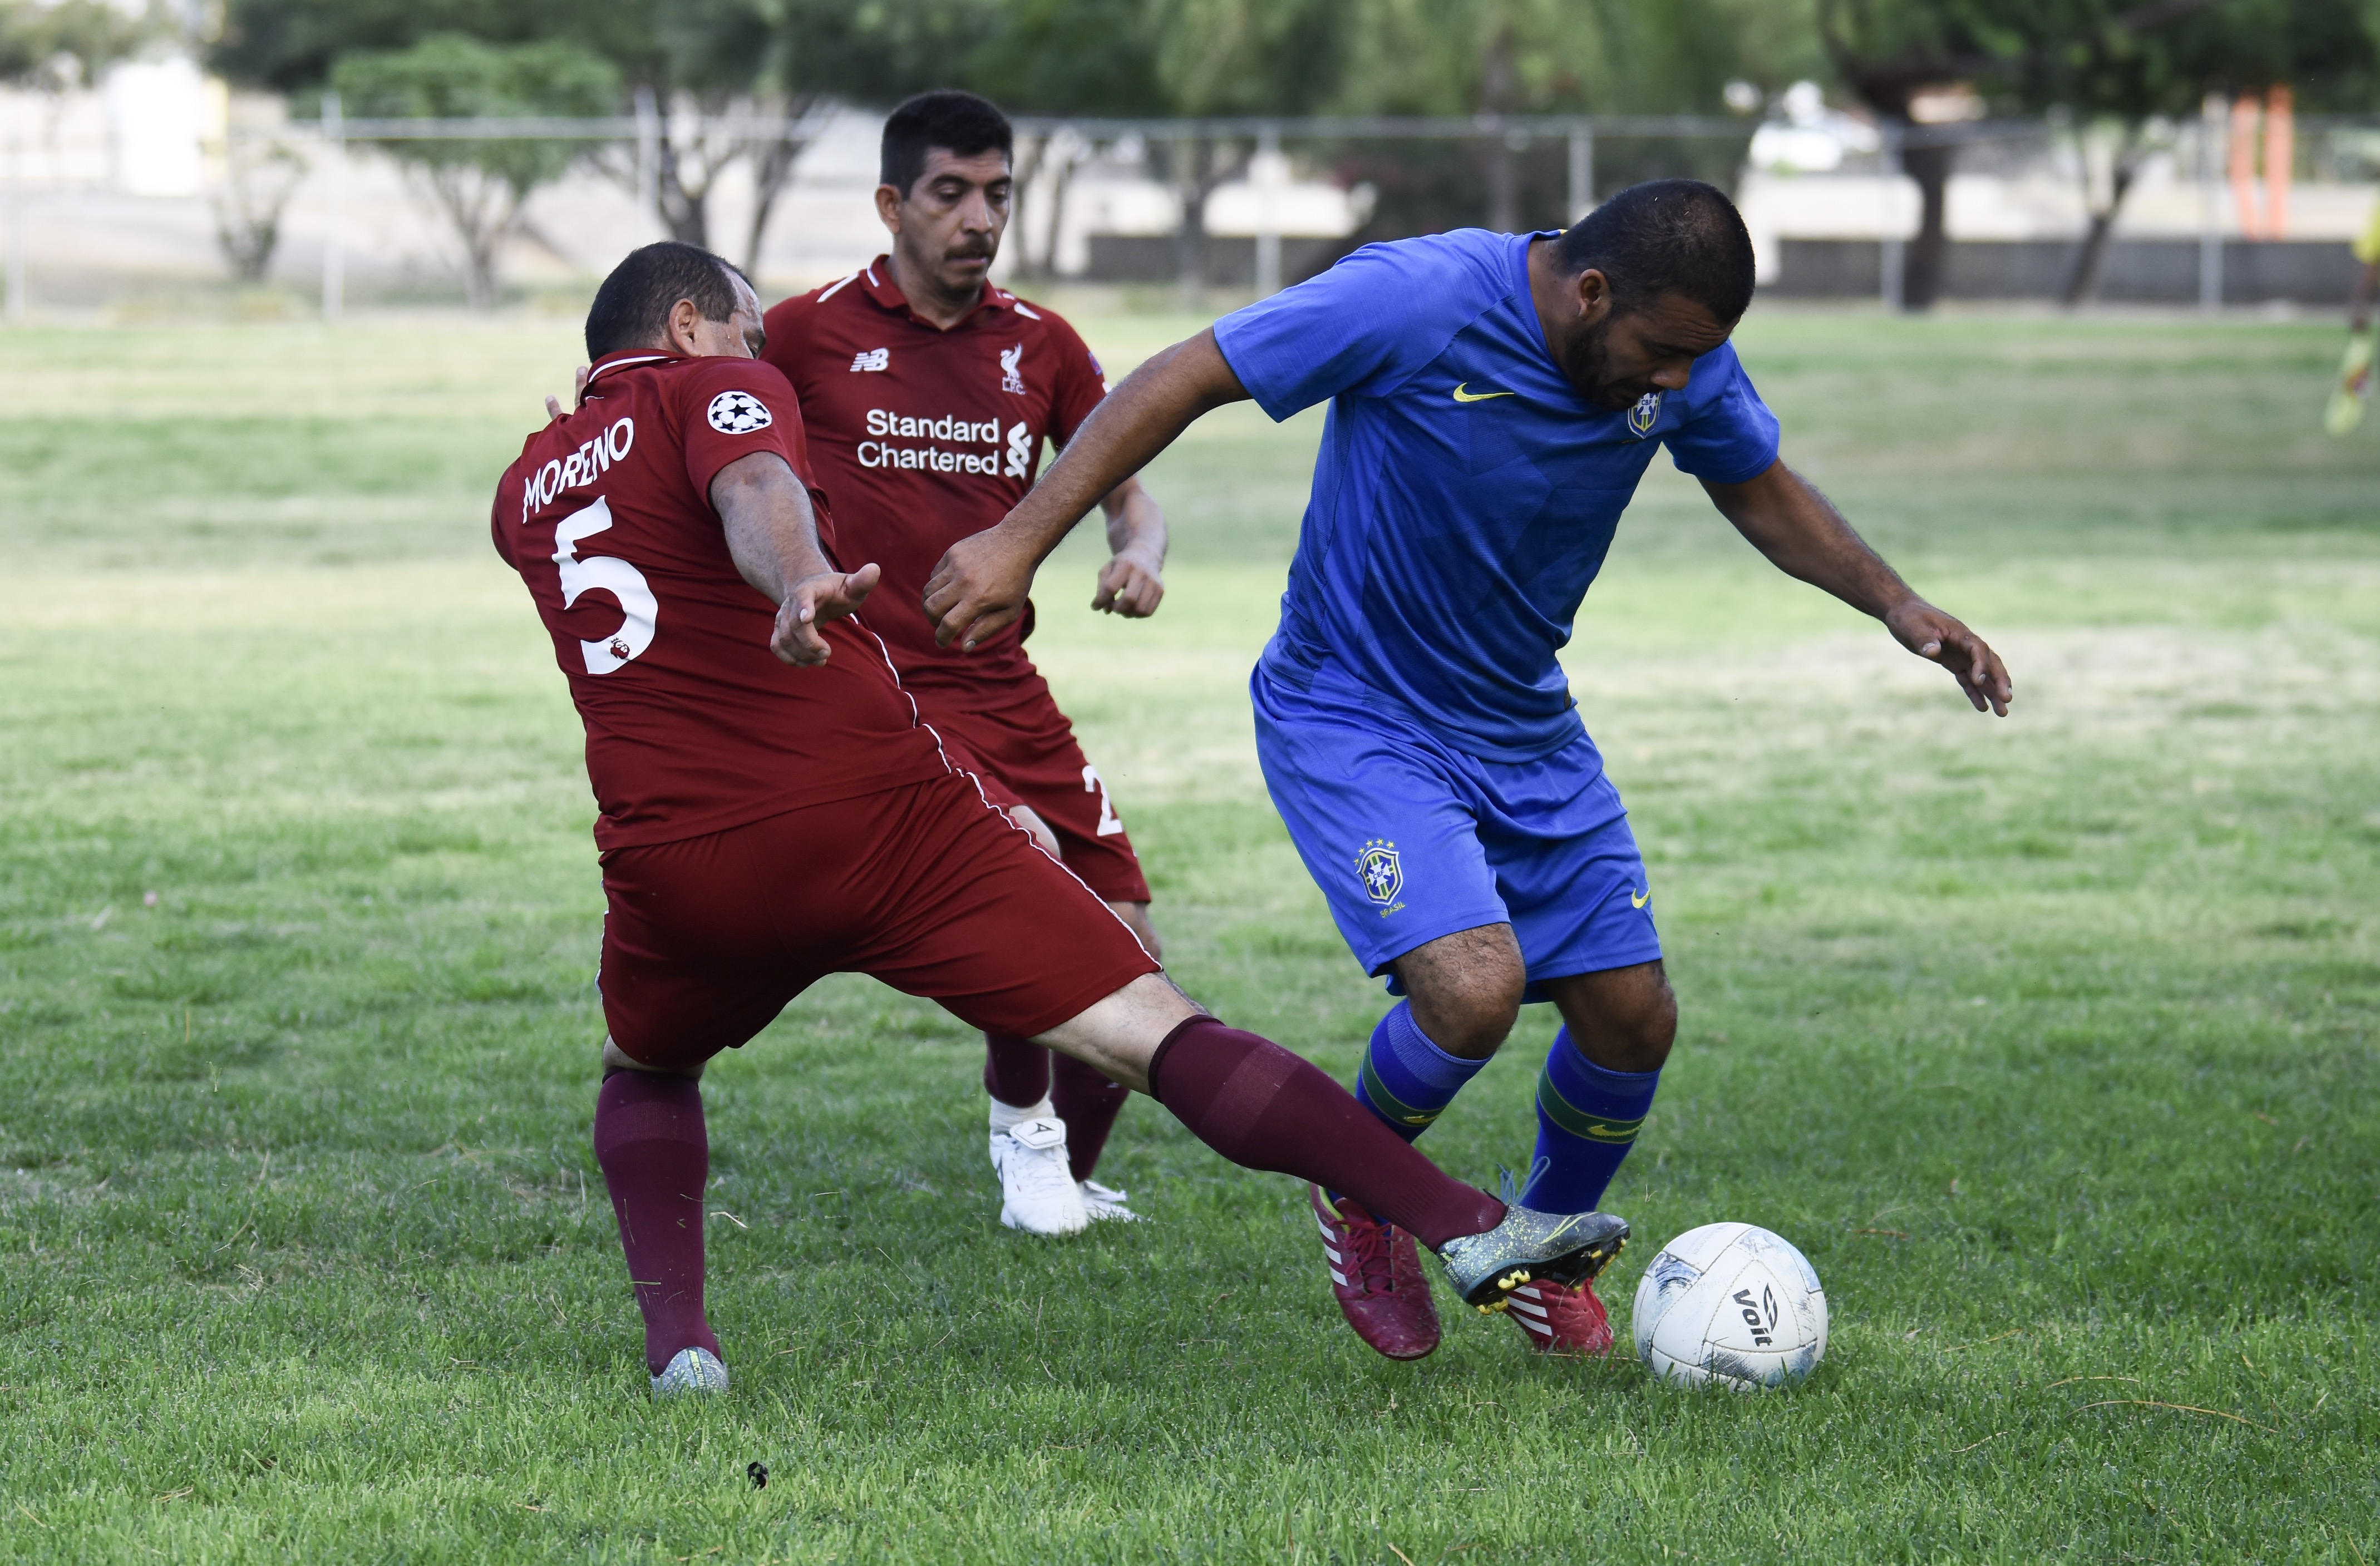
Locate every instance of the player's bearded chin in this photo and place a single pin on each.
(1587, 362)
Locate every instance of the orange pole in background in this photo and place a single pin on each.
(2280, 155)
(2244, 166)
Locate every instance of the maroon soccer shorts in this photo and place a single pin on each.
(925, 887)
(1028, 754)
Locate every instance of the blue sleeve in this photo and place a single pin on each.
(1365, 325)
(1728, 436)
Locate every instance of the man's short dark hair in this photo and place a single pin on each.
(959, 123)
(632, 309)
(1666, 236)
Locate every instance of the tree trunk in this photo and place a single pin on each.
(1190, 163)
(773, 169)
(1059, 184)
(2090, 260)
(684, 209)
(1495, 95)
(1925, 266)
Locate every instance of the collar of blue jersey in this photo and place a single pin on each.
(875, 279)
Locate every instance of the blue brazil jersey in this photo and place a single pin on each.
(1464, 495)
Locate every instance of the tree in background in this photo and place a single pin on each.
(1465, 58)
(58, 48)
(479, 186)
(1891, 53)
(2128, 75)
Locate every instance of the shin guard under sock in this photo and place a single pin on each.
(1015, 1071)
(1587, 1118)
(1088, 1103)
(1263, 1107)
(1406, 1079)
(655, 1155)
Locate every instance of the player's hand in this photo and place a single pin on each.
(1131, 584)
(1024, 816)
(553, 408)
(813, 602)
(1927, 632)
(978, 588)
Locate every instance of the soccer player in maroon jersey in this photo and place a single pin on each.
(927, 393)
(772, 809)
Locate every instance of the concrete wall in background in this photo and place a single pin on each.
(2138, 271)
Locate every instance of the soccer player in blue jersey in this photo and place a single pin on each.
(1494, 400)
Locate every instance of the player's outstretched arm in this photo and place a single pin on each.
(1800, 530)
(772, 534)
(978, 589)
(1132, 581)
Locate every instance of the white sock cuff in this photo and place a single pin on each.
(1007, 1117)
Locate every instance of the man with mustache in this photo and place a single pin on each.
(928, 391)
(1494, 400)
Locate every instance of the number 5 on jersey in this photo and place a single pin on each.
(611, 575)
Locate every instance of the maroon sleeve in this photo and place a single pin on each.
(733, 407)
(1081, 382)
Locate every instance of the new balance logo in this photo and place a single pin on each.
(874, 358)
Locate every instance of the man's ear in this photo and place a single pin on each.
(1594, 293)
(887, 207)
(684, 317)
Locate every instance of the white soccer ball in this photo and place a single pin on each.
(1731, 1305)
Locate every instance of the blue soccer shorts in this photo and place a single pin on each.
(1410, 840)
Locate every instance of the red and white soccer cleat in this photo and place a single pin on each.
(1376, 1273)
(1561, 1319)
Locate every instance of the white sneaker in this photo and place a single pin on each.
(690, 1373)
(1106, 1203)
(1036, 1190)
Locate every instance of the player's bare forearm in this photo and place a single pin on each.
(1802, 533)
(1133, 582)
(2360, 316)
(978, 589)
(772, 536)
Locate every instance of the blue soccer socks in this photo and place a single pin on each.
(1406, 1080)
(1587, 1118)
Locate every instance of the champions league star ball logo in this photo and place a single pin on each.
(1647, 411)
(739, 413)
(1382, 877)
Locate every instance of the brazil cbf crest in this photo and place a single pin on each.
(1383, 878)
(1644, 414)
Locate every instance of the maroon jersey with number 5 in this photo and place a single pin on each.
(693, 726)
(924, 436)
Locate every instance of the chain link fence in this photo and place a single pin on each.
(1242, 205)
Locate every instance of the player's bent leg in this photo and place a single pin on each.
(1593, 1096)
(1264, 1107)
(1087, 1103)
(1465, 988)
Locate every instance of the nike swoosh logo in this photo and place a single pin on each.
(1636, 902)
(1463, 396)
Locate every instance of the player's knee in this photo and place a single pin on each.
(1642, 1037)
(1470, 1015)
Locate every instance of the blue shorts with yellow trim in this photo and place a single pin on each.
(1410, 840)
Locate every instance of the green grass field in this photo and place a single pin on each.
(2051, 1041)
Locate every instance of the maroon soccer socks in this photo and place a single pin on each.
(655, 1155)
(1263, 1107)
